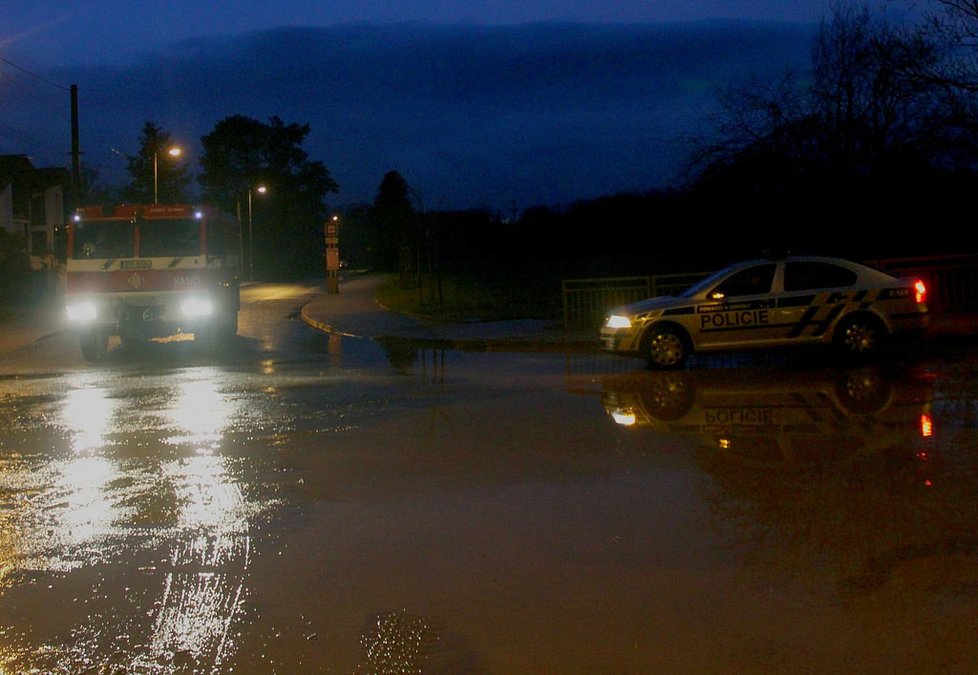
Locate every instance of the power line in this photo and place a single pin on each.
(33, 74)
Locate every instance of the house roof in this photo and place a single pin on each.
(15, 167)
(19, 172)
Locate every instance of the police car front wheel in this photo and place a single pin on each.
(666, 347)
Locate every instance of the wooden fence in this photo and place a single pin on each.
(952, 283)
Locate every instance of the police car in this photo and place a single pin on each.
(771, 303)
(766, 418)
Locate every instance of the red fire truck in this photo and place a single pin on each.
(149, 271)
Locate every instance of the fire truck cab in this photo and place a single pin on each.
(149, 271)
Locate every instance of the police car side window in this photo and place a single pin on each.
(751, 281)
(806, 276)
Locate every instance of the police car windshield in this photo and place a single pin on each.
(707, 282)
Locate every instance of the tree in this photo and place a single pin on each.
(396, 221)
(955, 26)
(240, 154)
(867, 136)
(874, 107)
(155, 175)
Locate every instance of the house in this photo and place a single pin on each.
(33, 206)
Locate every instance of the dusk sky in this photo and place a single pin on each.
(475, 103)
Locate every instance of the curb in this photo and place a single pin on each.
(319, 325)
(507, 344)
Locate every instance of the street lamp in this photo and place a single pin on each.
(260, 189)
(173, 152)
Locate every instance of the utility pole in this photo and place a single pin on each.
(75, 152)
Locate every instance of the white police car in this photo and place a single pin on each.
(771, 303)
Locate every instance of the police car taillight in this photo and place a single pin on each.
(921, 290)
(926, 430)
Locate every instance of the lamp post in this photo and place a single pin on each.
(260, 189)
(173, 152)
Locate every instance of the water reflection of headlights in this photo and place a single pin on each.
(87, 414)
(202, 412)
(624, 417)
(87, 515)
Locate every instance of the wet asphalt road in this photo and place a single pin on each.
(311, 503)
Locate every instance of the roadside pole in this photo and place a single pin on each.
(333, 255)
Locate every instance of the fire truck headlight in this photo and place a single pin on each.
(81, 311)
(196, 306)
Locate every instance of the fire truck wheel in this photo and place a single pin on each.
(206, 338)
(94, 345)
(131, 337)
(229, 326)
(218, 335)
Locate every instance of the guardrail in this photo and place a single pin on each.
(952, 283)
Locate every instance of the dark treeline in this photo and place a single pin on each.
(697, 229)
(872, 154)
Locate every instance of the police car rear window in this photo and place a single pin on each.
(806, 276)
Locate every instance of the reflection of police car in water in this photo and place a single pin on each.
(770, 303)
(774, 416)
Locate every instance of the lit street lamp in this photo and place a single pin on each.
(173, 152)
(260, 189)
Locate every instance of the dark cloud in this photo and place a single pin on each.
(470, 115)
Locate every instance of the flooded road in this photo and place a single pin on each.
(315, 504)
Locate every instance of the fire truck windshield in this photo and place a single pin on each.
(169, 237)
(103, 239)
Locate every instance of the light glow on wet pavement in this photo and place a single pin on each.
(318, 512)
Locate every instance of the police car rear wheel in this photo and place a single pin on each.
(859, 336)
(863, 391)
(666, 348)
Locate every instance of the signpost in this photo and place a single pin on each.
(333, 255)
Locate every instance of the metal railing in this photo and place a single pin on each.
(951, 280)
(587, 300)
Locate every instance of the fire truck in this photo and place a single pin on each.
(148, 271)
